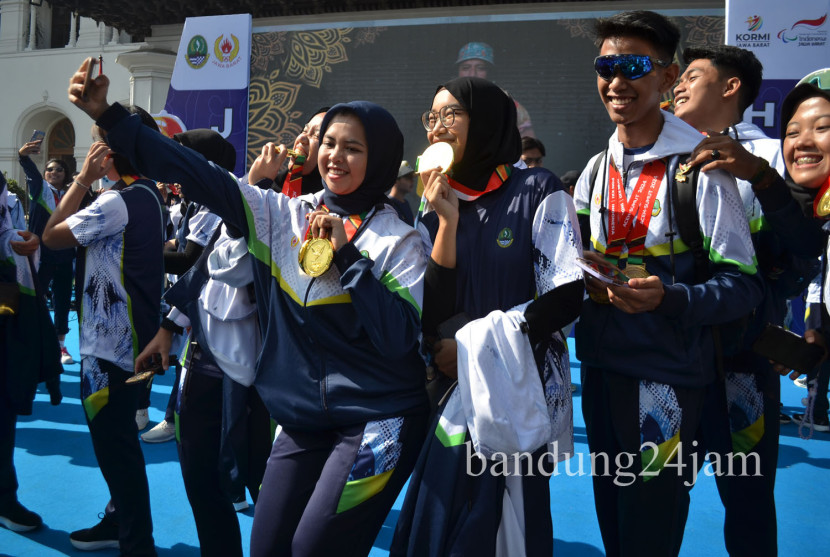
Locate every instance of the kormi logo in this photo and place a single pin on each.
(751, 38)
(753, 23)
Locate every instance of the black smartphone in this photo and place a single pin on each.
(787, 348)
(90, 68)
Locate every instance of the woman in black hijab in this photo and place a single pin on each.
(501, 237)
(302, 175)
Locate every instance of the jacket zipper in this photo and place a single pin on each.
(319, 348)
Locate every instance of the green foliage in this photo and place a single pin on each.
(15, 188)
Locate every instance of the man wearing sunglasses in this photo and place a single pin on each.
(646, 347)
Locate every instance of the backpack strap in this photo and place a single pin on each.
(585, 220)
(684, 201)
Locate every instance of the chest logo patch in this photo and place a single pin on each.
(597, 199)
(505, 238)
(656, 209)
(295, 242)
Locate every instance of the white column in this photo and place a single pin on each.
(13, 18)
(32, 27)
(73, 30)
(150, 73)
(89, 34)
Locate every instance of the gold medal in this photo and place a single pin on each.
(636, 271)
(141, 376)
(823, 207)
(291, 152)
(600, 298)
(316, 255)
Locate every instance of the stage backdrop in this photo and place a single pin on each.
(546, 64)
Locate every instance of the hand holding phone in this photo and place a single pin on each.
(90, 67)
(787, 348)
(604, 272)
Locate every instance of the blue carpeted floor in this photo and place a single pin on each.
(60, 480)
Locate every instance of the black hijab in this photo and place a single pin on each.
(211, 145)
(493, 137)
(800, 93)
(311, 182)
(385, 151)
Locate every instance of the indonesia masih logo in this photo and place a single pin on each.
(197, 52)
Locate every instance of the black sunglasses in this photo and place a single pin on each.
(54, 169)
(631, 66)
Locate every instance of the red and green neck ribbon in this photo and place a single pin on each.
(497, 178)
(351, 223)
(293, 184)
(628, 220)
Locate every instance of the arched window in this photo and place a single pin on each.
(62, 143)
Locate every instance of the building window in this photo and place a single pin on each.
(61, 18)
(62, 143)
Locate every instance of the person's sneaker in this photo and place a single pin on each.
(18, 518)
(820, 423)
(66, 358)
(142, 418)
(103, 535)
(240, 504)
(161, 433)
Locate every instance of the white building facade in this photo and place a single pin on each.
(40, 49)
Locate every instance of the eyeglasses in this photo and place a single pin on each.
(54, 169)
(446, 115)
(631, 66)
(532, 160)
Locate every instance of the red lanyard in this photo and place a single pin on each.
(628, 219)
(293, 184)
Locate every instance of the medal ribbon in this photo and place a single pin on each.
(293, 184)
(130, 178)
(497, 178)
(824, 191)
(351, 224)
(628, 220)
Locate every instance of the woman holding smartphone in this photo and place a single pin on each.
(338, 281)
(56, 266)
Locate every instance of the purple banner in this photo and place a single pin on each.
(224, 111)
(766, 111)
